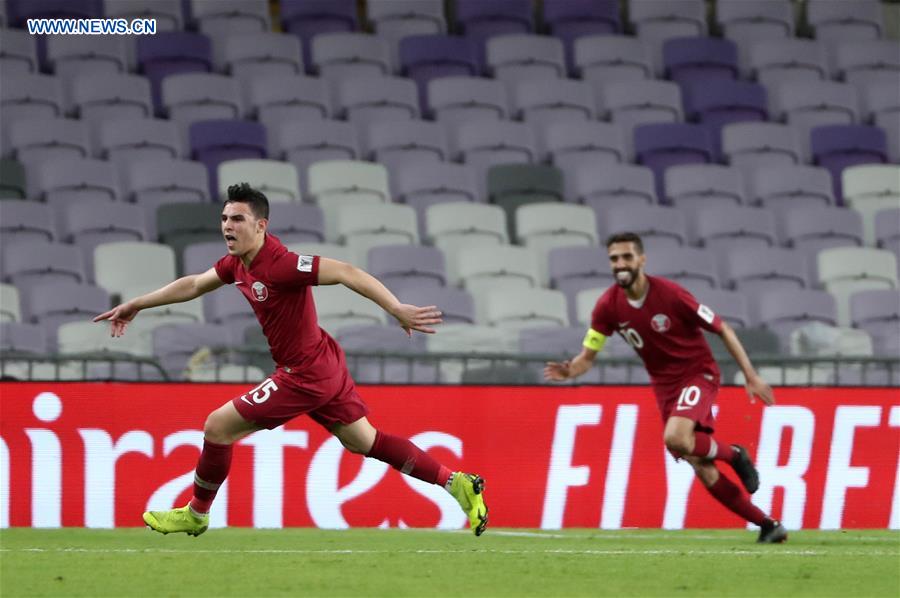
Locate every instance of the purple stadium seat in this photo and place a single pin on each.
(369, 99)
(456, 305)
(403, 266)
(481, 20)
(22, 221)
(192, 97)
(791, 186)
(346, 55)
(723, 228)
(567, 144)
(661, 228)
(139, 139)
(285, 99)
(701, 185)
(775, 61)
(215, 141)
(427, 57)
(200, 257)
(304, 142)
(79, 55)
(611, 184)
(887, 228)
(307, 18)
(386, 370)
(28, 263)
(755, 270)
(248, 56)
(836, 147)
(565, 101)
(229, 17)
(70, 180)
(423, 185)
(30, 96)
(19, 11)
(608, 58)
(514, 57)
(156, 182)
(405, 141)
(19, 337)
(487, 143)
(571, 19)
(462, 99)
(90, 223)
(170, 53)
(719, 103)
(297, 222)
(688, 266)
(833, 21)
(747, 20)
(867, 62)
(753, 145)
(700, 59)
(877, 312)
(812, 229)
(783, 311)
(54, 303)
(174, 344)
(660, 146)
(106, 98)
(47, 140)
(632, 103)
(397, 19)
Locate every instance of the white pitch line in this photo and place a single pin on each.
(775, 551)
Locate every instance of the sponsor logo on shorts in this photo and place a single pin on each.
(660, 323)
(305, 263)
(260, 292)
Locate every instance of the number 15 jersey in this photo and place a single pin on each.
(664, 329)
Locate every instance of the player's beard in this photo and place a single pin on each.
(623, 281)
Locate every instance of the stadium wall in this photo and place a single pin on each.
(98, 454)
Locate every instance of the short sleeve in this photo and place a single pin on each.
(698, 313)
(293, 270)
(601, 317)
(225, 269)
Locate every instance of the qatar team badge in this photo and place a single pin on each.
(660, 323)
(260, 291)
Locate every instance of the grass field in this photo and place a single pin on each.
(295, 562)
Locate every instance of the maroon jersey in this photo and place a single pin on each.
(277, 285)
(664, 329)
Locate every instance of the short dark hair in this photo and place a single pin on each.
(626, 237)
(244, 193)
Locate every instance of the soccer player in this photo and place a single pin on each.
(311, 372)
(662, 322)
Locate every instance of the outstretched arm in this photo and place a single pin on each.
(570, 369)
(411, 317)
(755, 385)
(178, 291)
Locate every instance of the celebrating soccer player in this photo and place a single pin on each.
(311, 373)
(662, 322)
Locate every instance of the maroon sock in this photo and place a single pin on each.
(212, 469)
(706, 446)
(727, 492)
(404, 456)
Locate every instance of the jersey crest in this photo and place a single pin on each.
(661, 323)
(260, 292)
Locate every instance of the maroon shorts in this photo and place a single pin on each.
(282, 397)
(692, 398)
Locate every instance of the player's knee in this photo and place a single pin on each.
(214, 430)
(678, 444)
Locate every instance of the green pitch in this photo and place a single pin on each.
(242, 562)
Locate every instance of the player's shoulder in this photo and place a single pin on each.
(666, 285)
(608, 297)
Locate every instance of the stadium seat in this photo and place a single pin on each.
(193, 97)
(362, 227)
(809, 104)
(631, 103)
(383, 369)
(69, 180)
(570, 20)
(512, 186)
(398, 19)
(405, 141)
(170, 53)
(480, 269)
(425, 185)
(721, 102)
(94, 338)
(661, 228)
(662, 145)
(585, 300)
(22, 221)
(423, 58)
(612, 184)
(870, 188)
(215, 141)
(403, 266)
(757, 270)
(55, 303)
(138, 140)
(12, 180)
(836, 147)
(338, 307)
(346, 55)
(303, 143)
(723, 228)
(181, 224)
(155, 182)
(19, 11)
(693, 59)
(455, 100)
(21, 337)
(30, 97)
(74, 55)
(536, 102)
(753, 145)
(174, 344)
(227, 306)
(609, 58)
(846, 270)
(10, 308)
(105, 98)
(879, 99)
(573, 269)
(688, 266)
(567, 144)
(485, 143)
(867, 61)
(225, 17)
(877, 312)
(456, 305)
(367, 99)
(201, 256)
(832, 21)
(775, 61)
(890, 123)
(547, 225)
(338, 182)
(250, 56)
(168, 13)
(482, 20)
(297, 222)
(696, 186)
(560, 342)
(811, 229)
(18, 53)
(277, 180)
(657, 19)
(48, 139)
(88, 224)
(783, 311)
(115, 271)
(521, 56)
(33, 261)
(791, 186)
(887, 229)
(512, 310)
(307, 18)
(746, 21)
(279, 99)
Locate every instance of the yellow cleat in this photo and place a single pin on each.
(468, 489)
(177, 520)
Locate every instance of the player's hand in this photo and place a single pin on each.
(557, 371)
(757, 387)
(119, 316)
(420, 319)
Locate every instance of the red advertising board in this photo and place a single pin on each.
(98, 454)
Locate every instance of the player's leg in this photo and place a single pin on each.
(735, 500)
(222, 429)
(362, 438)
